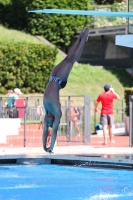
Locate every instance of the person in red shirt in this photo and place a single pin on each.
(107, 115)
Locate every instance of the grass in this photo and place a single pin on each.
(89, 80)
(8, 34)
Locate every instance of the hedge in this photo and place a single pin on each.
(26, 66)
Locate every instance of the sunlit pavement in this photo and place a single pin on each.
(69, 150)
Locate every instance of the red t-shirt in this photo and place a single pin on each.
(106, 100)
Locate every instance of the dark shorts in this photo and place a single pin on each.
(107, 119)
(58, 80)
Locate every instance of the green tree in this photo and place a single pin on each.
(57, 28)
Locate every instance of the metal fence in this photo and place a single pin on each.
(31, 124)
(29, 132)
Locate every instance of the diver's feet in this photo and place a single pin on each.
(87, 38)
(82, 31)
(85, 33)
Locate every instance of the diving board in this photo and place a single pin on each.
(121, 40)
(85, 12)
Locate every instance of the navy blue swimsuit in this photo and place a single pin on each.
(58, 80)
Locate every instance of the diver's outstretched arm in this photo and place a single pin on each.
(54, 133)
(45, 134)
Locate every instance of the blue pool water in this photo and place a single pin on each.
(55, 182)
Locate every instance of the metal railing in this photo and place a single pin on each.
(32, 124)
(34, 102)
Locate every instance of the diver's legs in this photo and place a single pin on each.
(67, 65)
(74, 48)
(75, 45)
(78, 51)
(57, 68)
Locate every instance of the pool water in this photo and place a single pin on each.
(56, 182)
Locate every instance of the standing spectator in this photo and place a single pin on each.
(11, 100)
(107, 115)
(13, 97)
(9, 92)
(74, 113)
(6, 109)
(17, 92)
(40, 114)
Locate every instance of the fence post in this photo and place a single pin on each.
(94, 116)
(87, 120)
(123, 110)
(1, 108)
(25, 120)
(131, 120)
(68, 121)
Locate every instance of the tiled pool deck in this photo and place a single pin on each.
(88, 156)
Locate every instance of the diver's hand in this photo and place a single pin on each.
(51, 152)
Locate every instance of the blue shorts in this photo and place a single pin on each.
(58, 80)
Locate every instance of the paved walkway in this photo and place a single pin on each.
(69, 150)
(120, 141)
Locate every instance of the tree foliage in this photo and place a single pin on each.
(58, 29)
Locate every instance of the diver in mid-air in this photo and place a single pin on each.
(57, 81)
